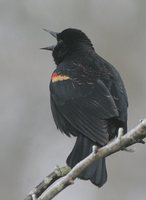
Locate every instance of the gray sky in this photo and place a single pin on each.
(30, 145)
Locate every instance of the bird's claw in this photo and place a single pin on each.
(94, 149)
(34, 196)
(128, 150)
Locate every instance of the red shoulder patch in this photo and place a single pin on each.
(54, 75)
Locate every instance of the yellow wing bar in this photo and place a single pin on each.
(57, 77)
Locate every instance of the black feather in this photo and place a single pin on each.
(88, 99)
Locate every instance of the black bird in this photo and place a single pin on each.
(88, 99)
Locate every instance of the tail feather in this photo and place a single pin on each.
(96, 173)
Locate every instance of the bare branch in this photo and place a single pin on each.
(49, 180)
(136, 135)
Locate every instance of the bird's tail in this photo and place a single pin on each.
(96, 173)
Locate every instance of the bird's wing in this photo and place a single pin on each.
(116, 87)
(85, 107)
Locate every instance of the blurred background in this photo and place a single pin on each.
(30, 145)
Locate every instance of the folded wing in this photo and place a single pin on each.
(85, 108)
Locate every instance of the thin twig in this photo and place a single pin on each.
(49, 180)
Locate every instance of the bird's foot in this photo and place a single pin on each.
(94, 149)
(120, 133)
(34, 196)
(129, 150)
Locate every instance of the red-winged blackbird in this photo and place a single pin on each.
(88, 99)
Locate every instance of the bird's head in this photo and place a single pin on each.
(68, 41)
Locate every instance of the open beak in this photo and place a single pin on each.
(54, 34)
(50, 48)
